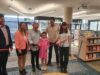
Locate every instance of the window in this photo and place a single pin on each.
(93, 26)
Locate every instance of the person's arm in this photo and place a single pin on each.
(58, 36)
(10, 40)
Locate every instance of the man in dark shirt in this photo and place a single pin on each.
(5, 45)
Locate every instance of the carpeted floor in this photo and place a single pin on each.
(75, 67)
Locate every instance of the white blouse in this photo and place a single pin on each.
(65, 39)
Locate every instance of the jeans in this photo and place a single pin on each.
(56, 52)
(3, 61)
(35, 58)
(64, 57)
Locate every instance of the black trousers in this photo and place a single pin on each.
(64, 57)
(35, 58)
(56, 52)
(3, 61)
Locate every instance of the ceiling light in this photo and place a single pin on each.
(44, 8)
(48, 12)
(15, 11)
(87, 16)
(80, 12)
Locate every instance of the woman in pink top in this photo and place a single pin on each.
(21, 44)
(43, 47)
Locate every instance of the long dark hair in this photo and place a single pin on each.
(63, 30)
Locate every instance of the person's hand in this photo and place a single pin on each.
(28, 48)
(11, 48)
(20, 51)
(58, 42)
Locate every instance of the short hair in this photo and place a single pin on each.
(52, 18)
(44, 33)
(35, 23)
(1, 15)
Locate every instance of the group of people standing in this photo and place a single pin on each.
(38, 44)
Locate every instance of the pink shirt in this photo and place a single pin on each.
(43, 43)
(43, 47)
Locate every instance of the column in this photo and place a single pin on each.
(68, 15)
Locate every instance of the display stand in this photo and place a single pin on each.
(89, 48)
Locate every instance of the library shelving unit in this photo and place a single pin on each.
(89, 48)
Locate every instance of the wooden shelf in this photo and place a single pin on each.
(93, 52)
(94, 45)
(92, 59)
(93, 38)
(84, 48)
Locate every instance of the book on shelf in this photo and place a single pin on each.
(91, 41)
(95, 41)
(94, 56)
(98, 41)
(97, 55)
(94, 48)
(90, 56)
(90, 48)
(98, 48)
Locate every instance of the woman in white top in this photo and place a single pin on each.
(64, 43)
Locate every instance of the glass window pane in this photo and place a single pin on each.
(43, 25)
(99, 26)
(13, 28)
(93, 26)
(11, 18)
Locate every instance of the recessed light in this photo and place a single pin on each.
(29, 8)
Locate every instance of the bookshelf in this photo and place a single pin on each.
(90, 48)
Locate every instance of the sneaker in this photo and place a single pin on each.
(45, 68)
(42, 68)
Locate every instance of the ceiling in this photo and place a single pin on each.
(51, 8)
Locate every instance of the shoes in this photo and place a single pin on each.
(33, 70)
(58, 66)
(49, 64)
(24, 71)
(65, 71)
(61, 70)
(44, 68)
(38, 68)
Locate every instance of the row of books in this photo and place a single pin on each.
(94, 48)
(94, 41)
(93, 56)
